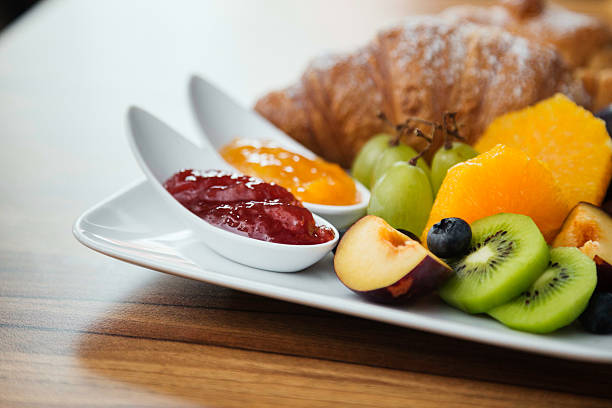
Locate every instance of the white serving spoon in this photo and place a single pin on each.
(223, 120)
(161, 152)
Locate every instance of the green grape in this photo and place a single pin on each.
(392, 155)
(403, 197)
(444, 159)
(363, 165)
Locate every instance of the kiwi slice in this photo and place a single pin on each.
(556, 298)
(507, 253)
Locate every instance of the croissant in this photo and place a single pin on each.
(584, 42)
(422, 68)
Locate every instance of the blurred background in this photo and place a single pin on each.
(11, 9)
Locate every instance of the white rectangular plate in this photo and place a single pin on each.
(132, 226)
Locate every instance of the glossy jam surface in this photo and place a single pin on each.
(314, 181)
(247, 206)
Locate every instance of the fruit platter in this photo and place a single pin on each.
(470, 206)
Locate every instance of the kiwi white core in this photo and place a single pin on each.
(481, 256)
(545, 278)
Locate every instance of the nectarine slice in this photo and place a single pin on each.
(589, 228)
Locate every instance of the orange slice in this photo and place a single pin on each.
(502, 180)
(569, 139)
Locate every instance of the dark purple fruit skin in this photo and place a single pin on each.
(409, 235)
(427, 276)
(597, 318)
(607, 205)
(449, 238)
(604, 277)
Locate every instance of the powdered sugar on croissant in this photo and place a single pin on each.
(426, 66)
(577, 37)
(584, 42)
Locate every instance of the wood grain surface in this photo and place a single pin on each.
(80, 329)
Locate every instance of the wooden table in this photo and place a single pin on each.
(81, 329)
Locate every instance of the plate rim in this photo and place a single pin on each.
(320, 301)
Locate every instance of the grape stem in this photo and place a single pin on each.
(429, 140)
(451, 130)
(395, 140)
(405, 127)
(434, 125)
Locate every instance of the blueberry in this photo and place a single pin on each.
(409, 235)
(597, 318)
(449, 238)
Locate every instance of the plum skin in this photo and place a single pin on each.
(423, 279)
(579, 222)
(604, 276)
(381, 264)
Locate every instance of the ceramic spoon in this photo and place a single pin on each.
(161, 151)
(223, 120)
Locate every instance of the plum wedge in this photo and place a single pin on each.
(383, 265)
(589, 228)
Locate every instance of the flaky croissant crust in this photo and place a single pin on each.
(422, 68)
(584, 42)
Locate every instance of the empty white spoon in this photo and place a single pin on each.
(161, 152)
(223, 120)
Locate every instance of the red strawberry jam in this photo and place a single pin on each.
(247, 206)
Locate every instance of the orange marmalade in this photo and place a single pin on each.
(313, 181)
